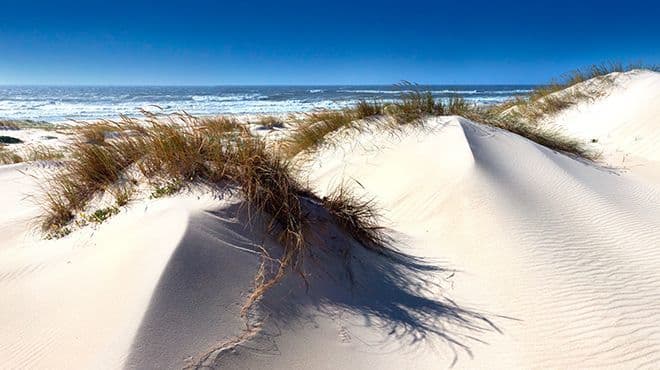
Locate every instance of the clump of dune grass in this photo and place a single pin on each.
(123, 193)
(8, 156)
(17, 124)
(9, 125)
(359, 217)
(217, 153)
(29, 154)
(95, 133)
(89, 169)
(43, 153)
(457, 106)
(556, 96)
(414, 105)
(364, 109)
(269, 122)
(550, 137)
(312, 131)
(525, 115)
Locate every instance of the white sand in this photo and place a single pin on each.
(625, 123)
(560, 256)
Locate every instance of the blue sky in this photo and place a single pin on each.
(198, 42)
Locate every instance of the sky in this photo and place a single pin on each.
(203, 42)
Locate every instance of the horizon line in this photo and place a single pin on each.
(266, 85)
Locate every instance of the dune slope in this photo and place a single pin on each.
(623, 124)
(567, 250)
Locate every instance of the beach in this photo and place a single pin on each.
(501, 251)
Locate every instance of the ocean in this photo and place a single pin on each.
(62, 103)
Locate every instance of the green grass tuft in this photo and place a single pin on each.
(102, 214)
(167, 189)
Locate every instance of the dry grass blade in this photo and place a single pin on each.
(359, 217)
(43, 153)
(269, 122)
(8, 156)
(314, 130)
(414, 105)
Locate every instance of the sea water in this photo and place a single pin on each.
(62, 103)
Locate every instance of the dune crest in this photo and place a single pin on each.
(623, 124)
(567, 248)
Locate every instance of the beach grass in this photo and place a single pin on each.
(29, 154)
(269, 122)
(413, 105)
(94, 133)
(313, 130)
(556, 96)
(359, 217)
(548, 136)
(8, 156)
(179, 150)
(18, 124)
(43, 153)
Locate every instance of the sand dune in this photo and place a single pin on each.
(567, 249)
(512, 256)
(623, 124)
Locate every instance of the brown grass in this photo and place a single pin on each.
(270, 122)
(359, 217)
(414, 105)
(312, 132)
(550, 137)
(8, 156)
(95, 133)
(17, 124)
(43, 153)
(552, 98)
(218, 153)
(29, 154)
(524, 115)
(90, 168)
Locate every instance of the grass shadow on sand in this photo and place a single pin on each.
(195, 308)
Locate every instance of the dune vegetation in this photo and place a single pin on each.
(9, 157)
(17, 124)
(171, 152)
(160, 155)
(559, 94)
(412, 109)
(29, 154)
(269, 122)
(523, 116)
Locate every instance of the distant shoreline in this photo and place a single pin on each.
(57, 104)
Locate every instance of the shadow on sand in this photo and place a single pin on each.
(195, 306)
